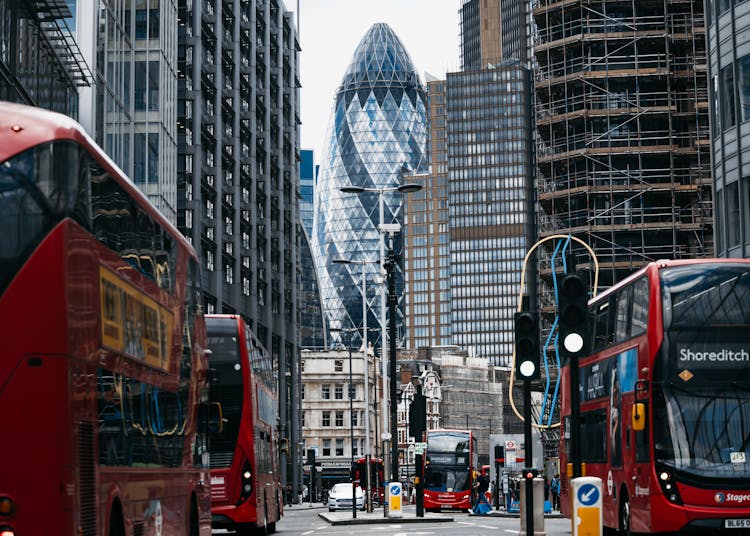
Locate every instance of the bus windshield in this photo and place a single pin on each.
(36, 193)
(702, 382)
(226, 386)
(445, 478)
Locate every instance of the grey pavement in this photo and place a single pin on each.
(344, 517)
(409, 515)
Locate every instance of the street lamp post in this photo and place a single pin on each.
(384, 228)
(351, 423)
(368, 486)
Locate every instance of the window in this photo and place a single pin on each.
(355, 418)
(744, 87)
(732, 209)
(603, 326)
(302, 415)
(338, 366)
(339, 447)
(339, 392)
(326, 391)
(339, 418)
(727, 97)
(594, 449)
(639, 320)
(326, 447)
(326, 419)
(302, 392)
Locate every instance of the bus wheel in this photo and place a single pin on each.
(116, 524)
(624, 515)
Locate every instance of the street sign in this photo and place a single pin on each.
(419, 447)
(587, 506)
(393, 492)
(588, 494)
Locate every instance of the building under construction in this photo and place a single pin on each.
(623, 136)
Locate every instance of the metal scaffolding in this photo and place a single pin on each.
(623, 135)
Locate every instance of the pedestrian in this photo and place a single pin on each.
(480, 487)
(555, 490)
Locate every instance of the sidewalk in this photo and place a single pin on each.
(344, 517)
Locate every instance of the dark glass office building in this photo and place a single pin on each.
(490, 219)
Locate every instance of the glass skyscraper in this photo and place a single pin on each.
(377, 129)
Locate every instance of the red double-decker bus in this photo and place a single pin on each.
(665, 399)
(377, 481)
(103, 364)
(450, 467)
(246, 493)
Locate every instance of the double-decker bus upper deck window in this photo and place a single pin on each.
(621, 316)
(702, 374)
(38, 189)
(126, 228)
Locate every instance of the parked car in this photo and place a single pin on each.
(340, 497)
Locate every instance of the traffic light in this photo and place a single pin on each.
(284, 446)
(573, 315)
(527, 345)
(418, 415)
(500, 455)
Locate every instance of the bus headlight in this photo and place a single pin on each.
(669, 486)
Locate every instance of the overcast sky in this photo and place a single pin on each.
(330, 30)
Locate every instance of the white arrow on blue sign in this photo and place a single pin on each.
(588, 494)
(395, 490)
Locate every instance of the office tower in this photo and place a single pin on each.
(623, 149)
(377, 130)
(489, 170)
(307, 175)
(480, 31)
(40, 61)
(729, 87)
(311, 320)
(427, 241)
(133, 114)
(238, 123)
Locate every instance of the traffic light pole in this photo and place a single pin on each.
(528, 453)
(575, 417)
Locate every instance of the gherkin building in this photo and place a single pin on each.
(377, 133)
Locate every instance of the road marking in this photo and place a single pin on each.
(308, 532)
(477, 525)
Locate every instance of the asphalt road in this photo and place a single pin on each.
(303, 520)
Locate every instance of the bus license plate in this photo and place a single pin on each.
(737, 523)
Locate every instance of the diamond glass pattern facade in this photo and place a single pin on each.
(378, 124)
